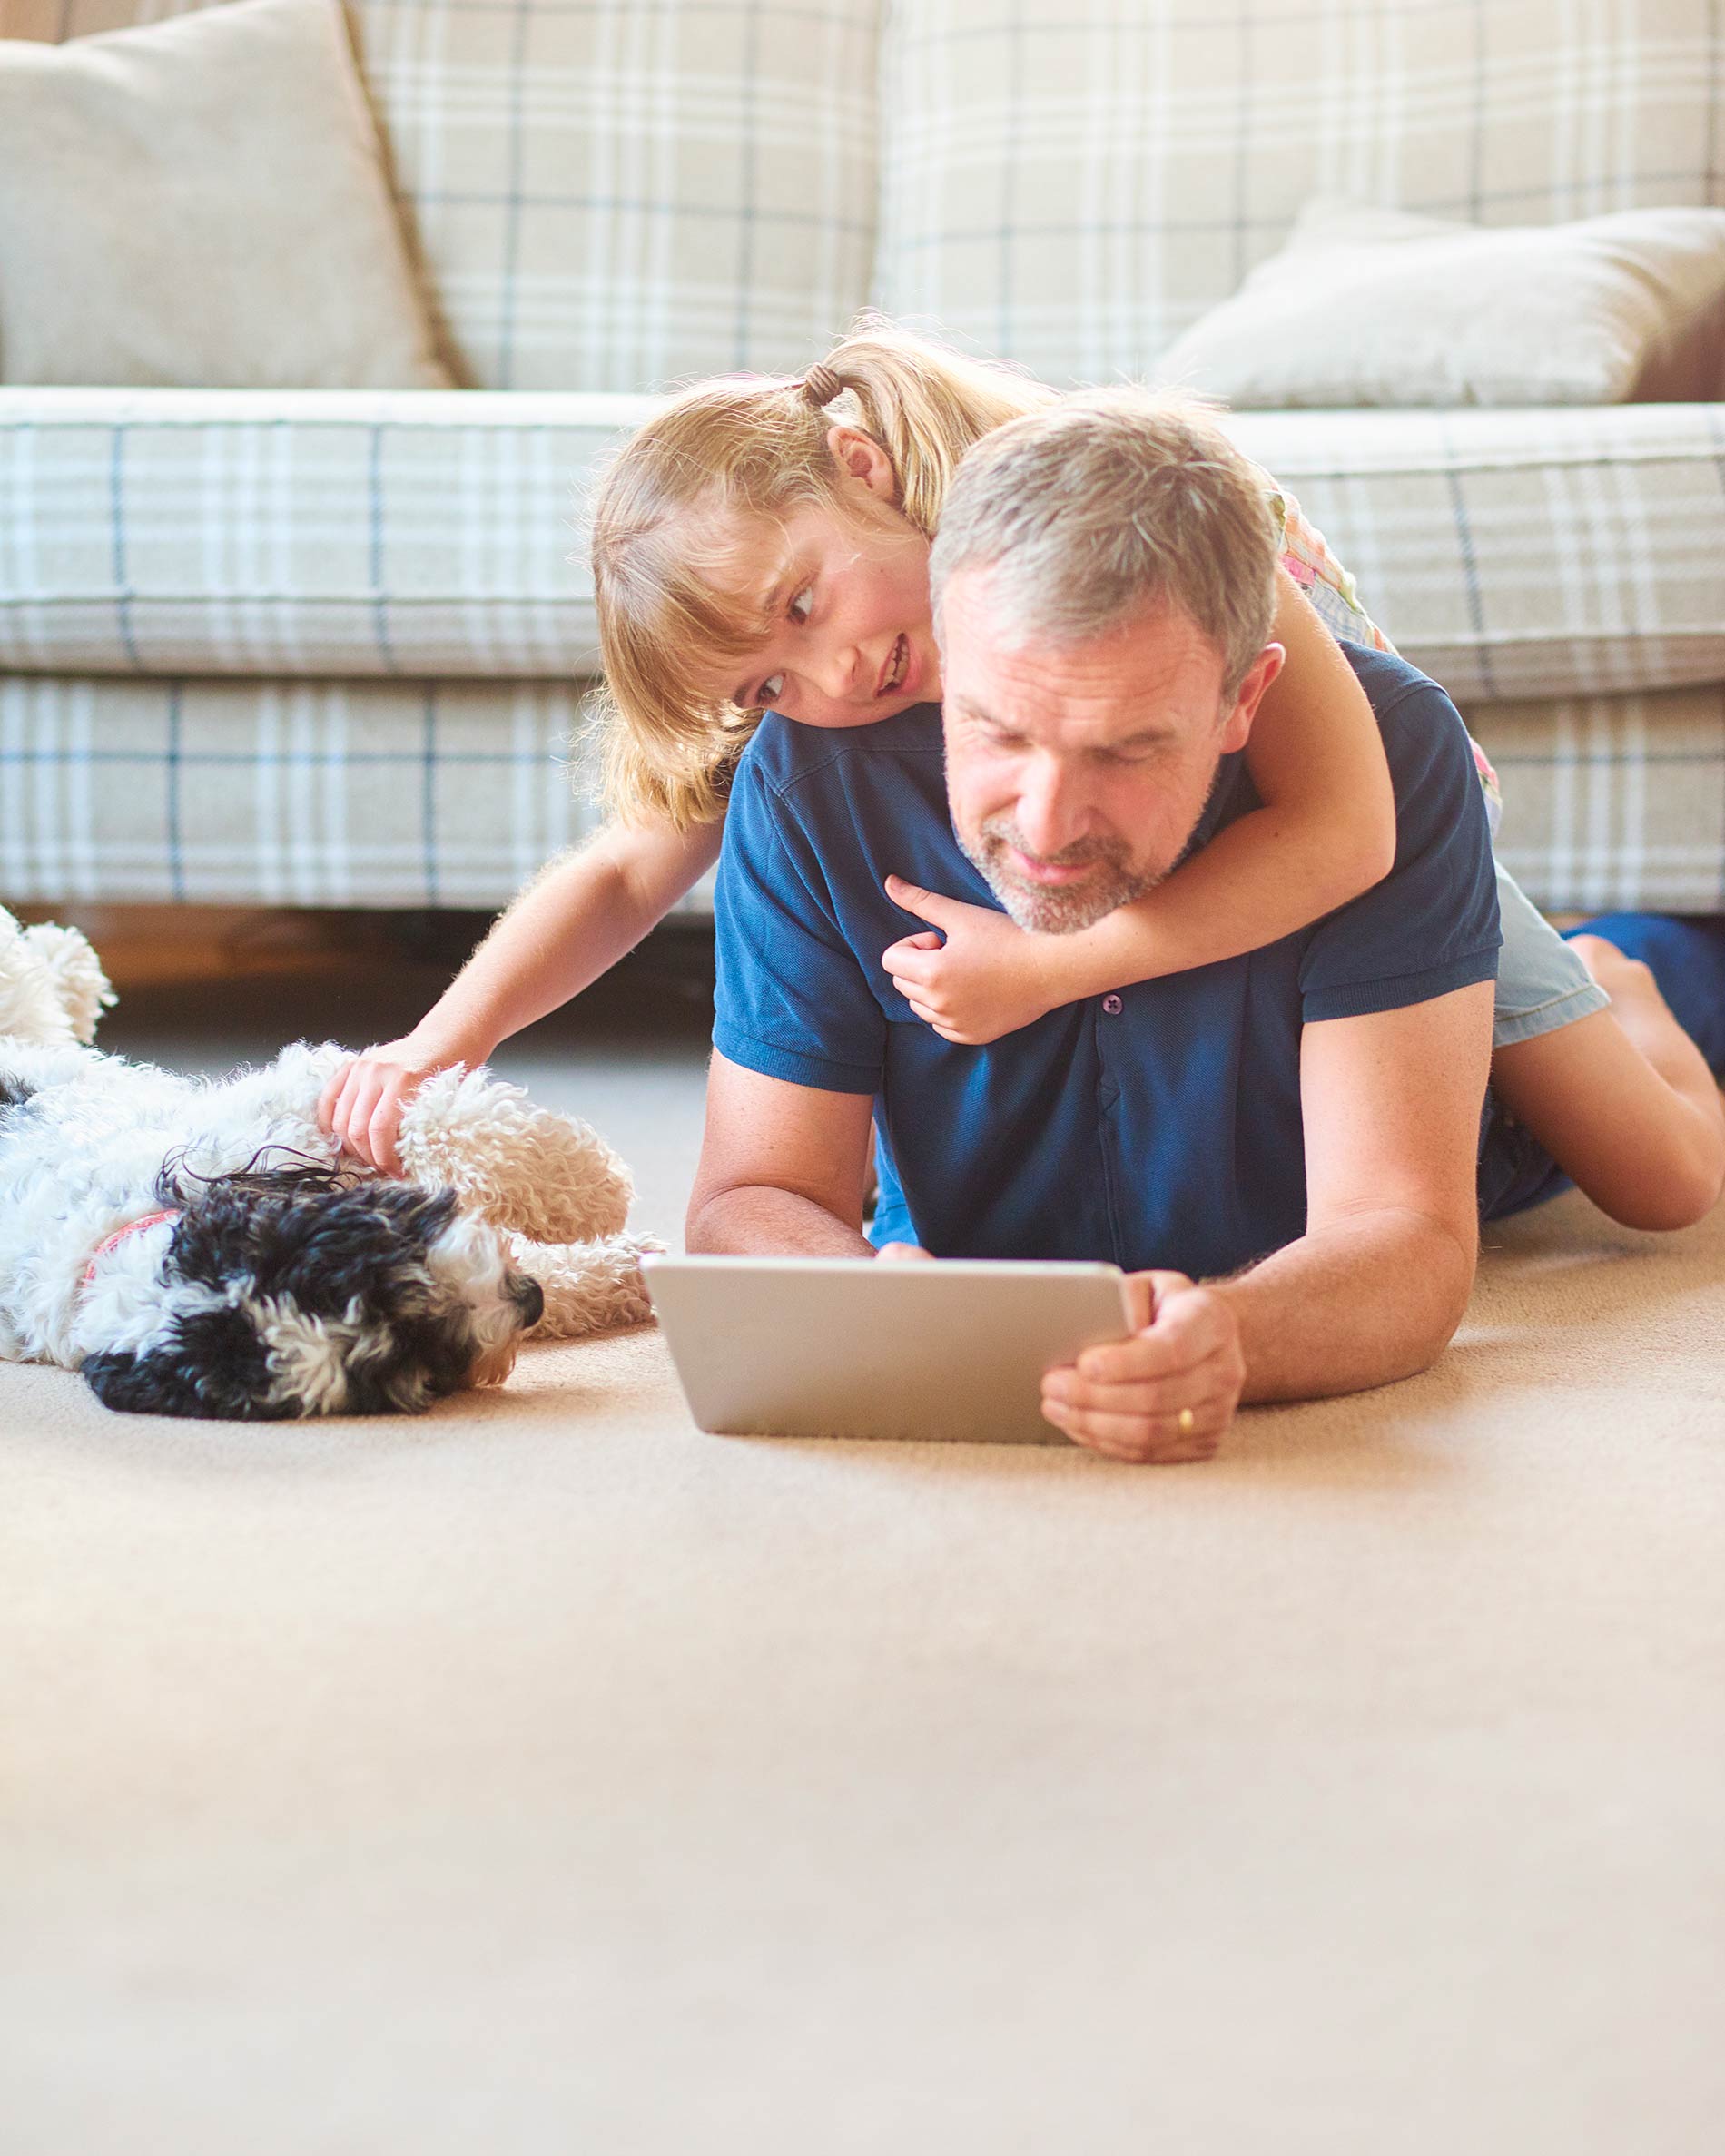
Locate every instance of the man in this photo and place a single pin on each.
(1304, 1120)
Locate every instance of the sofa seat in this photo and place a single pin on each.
(1512, 553)
(313, 650)
(342, 534)
(333, 533)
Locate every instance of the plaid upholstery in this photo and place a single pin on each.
(401, 794)
(225, 532)
(1072, 187)
(1613, 801)
(1512, 553)
(609, 195)
(313, 794)
(338, 533)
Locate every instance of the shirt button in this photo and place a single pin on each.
(1113, 1006)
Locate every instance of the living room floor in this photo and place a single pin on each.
(544, 1774)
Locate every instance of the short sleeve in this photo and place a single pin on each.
(1431, 926)
(790, 999)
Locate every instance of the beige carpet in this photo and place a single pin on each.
(545, 1775)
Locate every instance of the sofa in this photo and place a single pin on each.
(329, 647)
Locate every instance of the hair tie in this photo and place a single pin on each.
(820, 386)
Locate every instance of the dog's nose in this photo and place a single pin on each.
(530, 1296)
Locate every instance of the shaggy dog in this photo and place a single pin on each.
(198, 1248)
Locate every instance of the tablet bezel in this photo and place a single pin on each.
(857, 1347)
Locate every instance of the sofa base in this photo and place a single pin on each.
(452, 793)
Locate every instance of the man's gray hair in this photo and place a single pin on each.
(1104, 504)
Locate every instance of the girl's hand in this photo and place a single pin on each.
(361, 1108)
(987, 978)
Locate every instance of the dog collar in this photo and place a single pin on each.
(119, 1236)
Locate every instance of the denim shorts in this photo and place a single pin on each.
(1540, 984)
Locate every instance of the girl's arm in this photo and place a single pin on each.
(573, 922)
(1324, 834)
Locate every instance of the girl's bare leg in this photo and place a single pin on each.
(1622, 1101)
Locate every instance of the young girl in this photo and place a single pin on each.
(751, 551)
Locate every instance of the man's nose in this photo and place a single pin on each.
(1049, 814)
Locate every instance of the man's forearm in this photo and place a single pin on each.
(757, 1220)
(1360, 1301)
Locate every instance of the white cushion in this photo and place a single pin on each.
(1368, 306)
(203, 201)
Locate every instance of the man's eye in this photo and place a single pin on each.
(802, 603)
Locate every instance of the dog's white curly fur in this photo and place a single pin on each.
(85, 1162)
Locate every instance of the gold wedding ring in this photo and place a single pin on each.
(1186, 1423)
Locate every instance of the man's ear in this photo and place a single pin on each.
(1237, 726)
(859, 456)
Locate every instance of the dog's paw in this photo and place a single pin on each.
(81, 988)
(588, 1287)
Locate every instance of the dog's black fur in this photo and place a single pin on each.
(316, 1244)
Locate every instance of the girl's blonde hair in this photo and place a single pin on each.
(756, 445)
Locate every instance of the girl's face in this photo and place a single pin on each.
(851, 640)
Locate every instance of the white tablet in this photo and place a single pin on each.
(849, 1347)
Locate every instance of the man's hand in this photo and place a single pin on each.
(1167, 1393)
(987, 978)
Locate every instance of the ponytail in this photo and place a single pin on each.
(925, 404)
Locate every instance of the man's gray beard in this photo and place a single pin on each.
(1063, 909)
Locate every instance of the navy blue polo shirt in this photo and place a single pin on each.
(1158, 1126)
